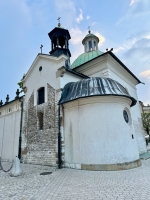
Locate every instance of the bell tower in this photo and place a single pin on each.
(59, 41)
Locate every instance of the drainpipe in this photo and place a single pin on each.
(20, 136)
(59, 139)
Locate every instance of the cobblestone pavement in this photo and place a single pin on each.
(65, 184)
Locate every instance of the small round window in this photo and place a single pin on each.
(126, 117)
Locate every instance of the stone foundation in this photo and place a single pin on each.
(107, 167)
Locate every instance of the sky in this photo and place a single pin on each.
(121, 25)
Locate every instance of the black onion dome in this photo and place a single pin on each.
(95, 86)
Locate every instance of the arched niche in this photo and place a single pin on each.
(40, 120)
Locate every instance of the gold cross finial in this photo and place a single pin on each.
(59, 21)
(89, 29)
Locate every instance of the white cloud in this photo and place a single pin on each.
(138, 44)
(101, 38)
(94, 23)
(77, 51)
(145, 74)
(132, 2)
(137, 36)
(77, 35)
(137, 9)
(80, 17)
(76, 40)
(126, 46)
(118, 49)
(134, 53)
(88, 17)
(139, 47)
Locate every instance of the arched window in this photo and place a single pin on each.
(94, 45)
(54, 42)
(61, 41)
(90, 45)
(85, 47)
(41, 98)
(40, 121)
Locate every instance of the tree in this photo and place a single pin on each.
(146, 122)
(21, 83)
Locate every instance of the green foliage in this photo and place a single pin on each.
(21, 83)
(146, 122)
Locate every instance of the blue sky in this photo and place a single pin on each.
(24, 26)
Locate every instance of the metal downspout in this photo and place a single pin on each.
(20, 136)
(59, 140)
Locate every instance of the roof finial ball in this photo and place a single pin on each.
(17, 94)
(59, 24)
(7, 99)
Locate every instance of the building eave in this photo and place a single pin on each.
(11, 101)
(117, 59)
(76, 73)
(60, 72)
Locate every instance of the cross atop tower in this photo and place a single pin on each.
(41, 47)
(59, 21)
(89, 29)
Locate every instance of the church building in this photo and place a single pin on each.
(83, 115)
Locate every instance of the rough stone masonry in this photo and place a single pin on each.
(40, 130)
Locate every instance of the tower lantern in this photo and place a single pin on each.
(90, 42)
(59, 41)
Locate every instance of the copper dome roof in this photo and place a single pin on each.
(95, 86)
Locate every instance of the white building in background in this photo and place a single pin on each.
(85, 115)
(143, 108)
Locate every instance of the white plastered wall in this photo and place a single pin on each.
(96, 132)
(36, 79)
(9, 130)
(106, 66)
(67, 78)
(130, 84)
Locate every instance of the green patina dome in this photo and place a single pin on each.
(85, 57)
(90, 35)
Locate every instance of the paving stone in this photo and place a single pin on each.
(68, 184)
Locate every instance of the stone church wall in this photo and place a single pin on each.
(40, 146)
